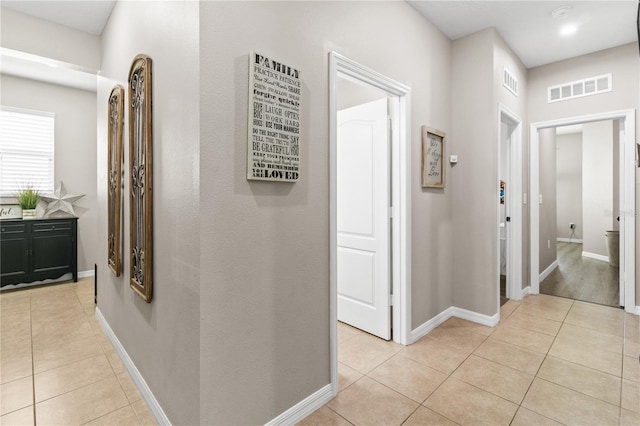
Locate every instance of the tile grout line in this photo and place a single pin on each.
(565, 387)
(104, 353)
(546, 356)
(33, 368)
(449, 376)
(535, 376)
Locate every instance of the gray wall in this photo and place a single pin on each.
(569, 185)
(477, 66)
(163, 337)
(75, 123)
(503, 57)
(597, 185)
(547, 209)
(624, 64)
(45, 38)
(474, 178)
(265, 246)
(75, 148)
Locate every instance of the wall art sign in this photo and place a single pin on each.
(273, 120)
(140, 178)
(433, 153)
(114, 140)
(10, 211)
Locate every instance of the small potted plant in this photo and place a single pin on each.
(28, 198)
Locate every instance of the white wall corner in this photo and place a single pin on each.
(425, 328)
(595, 256)
(137, 378)
(548, 271)
(305, 407)
(452, 311)
(525, 291)
(490, 321)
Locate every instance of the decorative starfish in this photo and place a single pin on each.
(60, 201)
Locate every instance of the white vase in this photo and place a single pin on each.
(28, 213)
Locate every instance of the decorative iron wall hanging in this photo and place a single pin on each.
(141, 174)
(115, 120)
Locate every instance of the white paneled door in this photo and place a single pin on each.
(363, 223)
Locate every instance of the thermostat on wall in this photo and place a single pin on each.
(453, 159)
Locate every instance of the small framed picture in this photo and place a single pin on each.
(433, 155)
(10, 211)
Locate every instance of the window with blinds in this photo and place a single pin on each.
(26, 150)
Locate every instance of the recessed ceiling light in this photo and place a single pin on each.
(568, 30)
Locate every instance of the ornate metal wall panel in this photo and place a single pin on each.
(141, 174)
(115, 122)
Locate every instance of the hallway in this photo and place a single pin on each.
(54, 353)
(550, 361)
(582, 278)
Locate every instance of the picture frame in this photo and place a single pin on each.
(115, 120)
(10, 211)
(433, 158)
(141, 178)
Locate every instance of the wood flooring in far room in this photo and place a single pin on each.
(582, 278)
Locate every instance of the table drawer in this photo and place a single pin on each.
(52, 226)
(14, 228)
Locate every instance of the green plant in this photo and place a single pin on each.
(28, 198)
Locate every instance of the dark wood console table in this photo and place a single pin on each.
(38, 249)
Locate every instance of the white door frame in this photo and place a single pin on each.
(514, 206)
(340, 66)
(627, 197)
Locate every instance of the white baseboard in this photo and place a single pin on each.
(526, 291)
(423, 329)
(549, 270)
(452, 311)
(305, 407)
(569, 240)
(85, 274)
(595, 256)
(483, 319)
(137, 378)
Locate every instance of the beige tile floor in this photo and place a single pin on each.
(550, 361)
(56, 364)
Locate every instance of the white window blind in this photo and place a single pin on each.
(26, 150)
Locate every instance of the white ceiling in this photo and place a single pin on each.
(89, 16)
(526, 26)
(529, 29)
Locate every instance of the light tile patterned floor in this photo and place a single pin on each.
(56, 364)
(550, 361)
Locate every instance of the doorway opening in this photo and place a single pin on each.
(624, 207)
(370, 235)
(510, 200)
(581, 211)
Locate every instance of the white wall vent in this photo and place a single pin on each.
(510, 82)
(577, 89)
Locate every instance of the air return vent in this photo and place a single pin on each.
(580, 88)
(510, 82)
